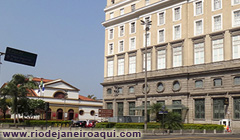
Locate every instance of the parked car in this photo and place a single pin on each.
(92, 123)
(80, 124)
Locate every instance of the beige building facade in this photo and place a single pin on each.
(193, 51)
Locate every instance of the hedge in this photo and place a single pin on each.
(7, 120)
(158, 126)
(54, 123)
(203, 126)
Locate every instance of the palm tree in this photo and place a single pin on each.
(173, 121)
(92, 97)
(156, 108)
(17, 89)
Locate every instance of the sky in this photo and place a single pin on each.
(67, 36)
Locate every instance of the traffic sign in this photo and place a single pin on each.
(21, 57)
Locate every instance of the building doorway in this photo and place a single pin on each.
(59, 114)
(70, 114)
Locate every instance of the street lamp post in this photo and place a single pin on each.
(65, 96)
(147, 24)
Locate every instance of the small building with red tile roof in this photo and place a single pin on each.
(64, 100)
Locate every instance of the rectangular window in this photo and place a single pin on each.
(133, 7)
(132, 64)
(121, 46)
(109, 106)
(217, 46)
(120, 90)
(161, 60)
(236, 18)
(110, 34)
(177, 14)
(217, 4)
(177, 32)
(132, 27)
(161, 18)
(147, 2)
(177, 56)
(161, 102)
(161, 36)
(199, 109)
(236, 80)
(148, 61)
(217, 82)
(236, 2)
(198, 8)
(122, 11)
(121, 30)
(111, 15)
(121, 66)
(199, 53)
(132, 43)
(236, 46)
(199, 84)
(198, 27)
(120, 109)
(110, 68)
(218, 108)
(110, 49)
(131, 109)
(131, 89)
(236, 108)
(217, 23)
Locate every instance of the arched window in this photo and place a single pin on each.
(59, 95)
(59, 114)
(70, 114)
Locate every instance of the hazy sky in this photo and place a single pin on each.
(67, 35)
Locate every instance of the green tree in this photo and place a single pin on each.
(171, 120)
(92, 97)
(4, 105)
(17, 89)
(156, 108)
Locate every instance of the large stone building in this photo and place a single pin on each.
(193, 51)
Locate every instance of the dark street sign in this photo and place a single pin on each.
(21, 57)
(163, 112)
(105, 113)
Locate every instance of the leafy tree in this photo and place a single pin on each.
(17, 90)
(92, 97)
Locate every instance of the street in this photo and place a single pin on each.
(195, 137)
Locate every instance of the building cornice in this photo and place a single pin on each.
(216, 67)
(141, 11)
(111, 7)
